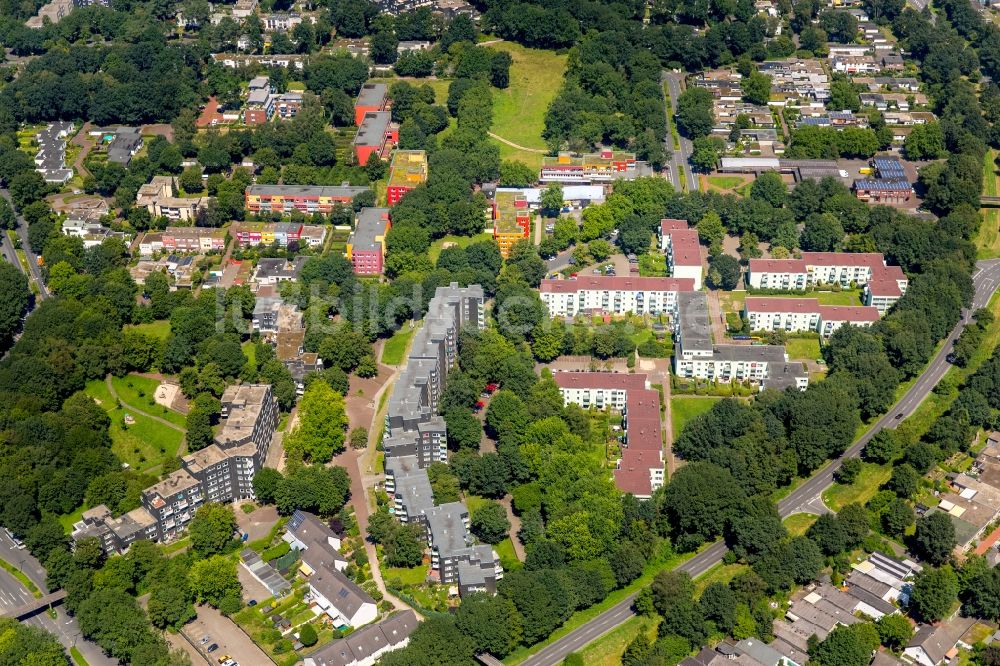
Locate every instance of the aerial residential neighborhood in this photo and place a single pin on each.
(524, 332)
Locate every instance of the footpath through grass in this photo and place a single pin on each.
(144, 444)
(519, 111)
(139, 392)
(21, 578)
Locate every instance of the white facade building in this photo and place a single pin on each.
(683, 250)
(613, 294)
(800, 315)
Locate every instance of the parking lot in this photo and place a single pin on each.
(229, 638)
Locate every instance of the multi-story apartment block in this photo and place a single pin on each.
(372, 98)
(683, 250)
(377, 135)
(366, 245)
(415, 436)
(696, 356)
(194, 239)
(817, 268)
(307, 199)
(797, 315)
(613, 294)
(511, 219)
(280, 21)
(288, 104)
(157, 196)
(783, 274)
(408, 169)
(240, 60)
(604, 167)
(260, 102)
(883, 289)
(221, 472)
(454, 557)
(640, 469)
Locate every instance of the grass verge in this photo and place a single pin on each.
(77, 657)
(395, 347)
(872, 476)
(798, 523)
(21, 578)
(607, 650)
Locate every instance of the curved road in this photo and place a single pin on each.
(804, 498)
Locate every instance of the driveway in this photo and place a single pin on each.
(229, 637)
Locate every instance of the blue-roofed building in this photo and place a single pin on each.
(889, 168)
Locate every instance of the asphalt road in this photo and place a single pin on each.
(13, 594)
(804, 498)
(679, 158)
(558, 262)
(22, 233)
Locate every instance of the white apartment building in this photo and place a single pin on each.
(843, 268)
(683, 251)
(799, 315)
(613, 294)
(695, 356)
(784, 274)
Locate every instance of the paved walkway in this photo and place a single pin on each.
(515, 527)
(716, 316)
(162, 421)
(519, 147)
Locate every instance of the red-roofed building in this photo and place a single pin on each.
(833, 317)
(797, 315)
(683, 254)
(613, 294)
(816, 268)
(886, 286)
(784, 274)
(640, 469)
(666, 226)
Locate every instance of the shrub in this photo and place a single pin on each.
(275, 552)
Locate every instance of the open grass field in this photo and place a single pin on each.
(519, 111)
(145, 444)
(607, 650)
(727, 182)
(798, 523)
(138, 392)
(395, 347)
(837, 496)
(802, 349)
(685, 408)
(158, 329)
(988, 239)
(461, 241)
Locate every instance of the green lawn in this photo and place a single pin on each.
(460, 241)
(720, 573)
(652, 265)
(803, 349)
(139, 391)
(685, 408)
(863, 489)
(508, 558)
(413, 576)
(77, 657)
(145, 444)
(250, 351)
(519, 111)
(798, 523)
(844, 297)
(68, 519)
(607, 650)
(440, 86)
(988, 238)
(158, 329)
(725, 182)
(395, 347)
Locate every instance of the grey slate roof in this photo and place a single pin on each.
(390, 633)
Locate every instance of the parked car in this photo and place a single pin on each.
(213, 647)
(205, 639)
(224, 658)
(252, 602)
